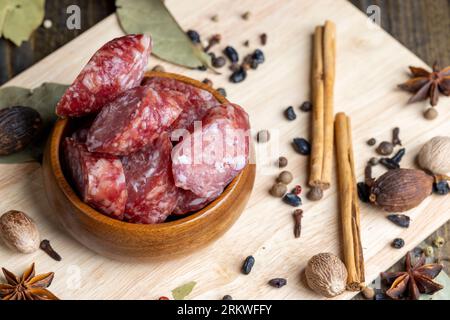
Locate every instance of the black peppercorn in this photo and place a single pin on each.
(194, 36)
(290, 113)
(441, 188)
(231, 54)
(222, 91)
(248, 265)
(258, 56)
(277, 282)
(282, 162)
(398, 243)
(306, 106)
(371, 141)
(208, 82)
(238, 76)
(227, 297)
(302, 146)
(385, 148)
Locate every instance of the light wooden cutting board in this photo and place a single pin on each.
(369, 66)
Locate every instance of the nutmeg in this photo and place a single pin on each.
(326, 274)
(19, 232)
(435, 155)
(400, 190)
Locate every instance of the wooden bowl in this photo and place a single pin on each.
(121, 240)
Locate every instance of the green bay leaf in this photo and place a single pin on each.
(43, 99)
(183, 291)
(19, 18)
(170, 42)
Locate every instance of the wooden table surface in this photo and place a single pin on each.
(420, 25)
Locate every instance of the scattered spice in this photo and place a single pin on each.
(231, 54)
(439, 242)
(429, 251)
(389, 163)
(27, 287)
(222, 91)
(401, 189)
(19, 232)
(277, 282)
(248, 265)
(326, 274)
(371, 141)
(246, 15)
(218, 62)
(208, 82)
(290, 113)
(163, 298)
(194, 36)
(302, 146)
(215, 18)
(181, 292)
(48, 249)
(434, 155)
(425, 84)
(278, 190)
(395, 137)
(227, 297)
(368, 293)
(416, 279)
(158, 68)
(398, 243)
(441, 188)
(298, 215)
(292, 199)
(315, 194)
(306, 106)
(373, 161)
(246, 43)
(397, 158)
(263, 136)
(282, 162)
(385, 148)
(285, 177)
(258, 56)
(400, 220)
(297, 189)
(363, 191)
(263, 38)
(431, 113)
(213, 40)
(238, 76)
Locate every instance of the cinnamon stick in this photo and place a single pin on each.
(329, 61)
(348, 204)
(323, 75)
(315, 177)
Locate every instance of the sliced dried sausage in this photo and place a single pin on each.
(190, 202)
(133, 120)
(206, 160)
(152, 194)
(99, 178)
(117, 66)
(199, 101)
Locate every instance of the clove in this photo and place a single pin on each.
(395, 137)
(298, 215)
(48, 249)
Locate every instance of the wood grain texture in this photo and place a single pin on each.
(127, 241)
(264, 230)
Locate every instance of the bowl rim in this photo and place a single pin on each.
(72, 196)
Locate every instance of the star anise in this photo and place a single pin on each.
(425, 84)
(415, 280)
(27, 287)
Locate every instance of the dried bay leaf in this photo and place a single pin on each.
(19, 18)
(170, 42)
(183, 291)
(43, 99)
